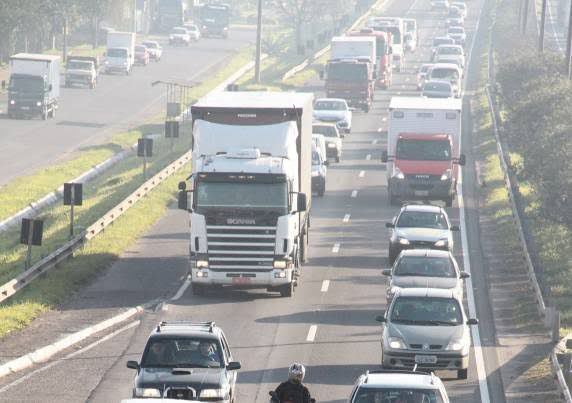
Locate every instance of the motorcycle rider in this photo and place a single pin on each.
(293, 391)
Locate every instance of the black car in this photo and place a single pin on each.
(186, 360)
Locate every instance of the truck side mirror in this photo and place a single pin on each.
(185, 200)
(386, 272)
(462, 159)
(302, 202)
(182, 185)
(384, 157)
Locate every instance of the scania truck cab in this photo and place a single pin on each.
(251, 190)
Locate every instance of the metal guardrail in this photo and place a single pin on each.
(13, 286)
(550, 315)
(298, 68)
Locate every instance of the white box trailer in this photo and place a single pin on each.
(423, 148)
(120, 53)
(251, 189)
(34, 86)
(354, 47)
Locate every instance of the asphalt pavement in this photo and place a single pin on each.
(329, 324)
(86, 118)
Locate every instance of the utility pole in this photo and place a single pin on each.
(258, 44)
(525, 16)
(569, 44)
(542, 27)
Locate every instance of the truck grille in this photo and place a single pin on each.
(422, 182)
(241, 247)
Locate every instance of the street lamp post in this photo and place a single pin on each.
(258, 44)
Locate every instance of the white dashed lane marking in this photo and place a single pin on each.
(336, 248)
(368, 157)
(346, 218)
(312, 333)
(354, 194)
(325, 285)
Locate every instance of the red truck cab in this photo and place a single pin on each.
(424, 168)
(352, 80)
(383, 53)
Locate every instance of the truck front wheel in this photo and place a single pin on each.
(287, 290)
(197, 289)
(449, 201)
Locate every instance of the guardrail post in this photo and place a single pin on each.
(555, 325)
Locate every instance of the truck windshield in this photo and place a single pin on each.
(115, 52)
(242, 195)
(444, 74)
(347, 72)
(423, 150)
(27, 84)
(215, 14)
(395, 33)
(77, 65)
(449, 50)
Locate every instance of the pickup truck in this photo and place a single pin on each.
(82, 70)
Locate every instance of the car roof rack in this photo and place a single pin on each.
(398, 371)
(178, 323)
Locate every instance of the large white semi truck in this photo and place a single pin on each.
(250, 190)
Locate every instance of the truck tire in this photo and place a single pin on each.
(287, 290)
(391, 199)
(449, 201)
(92, 85)
(338, 158)
(197, 289)
(304, 248)
(45, 113)
(462, 374)
(53, 112)
(322, 189)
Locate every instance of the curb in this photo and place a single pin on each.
(43, 354)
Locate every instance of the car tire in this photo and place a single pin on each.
(338, 158)
(322, 189)
(391, 256)
(287, 290)
(462, 374)
(449, 201)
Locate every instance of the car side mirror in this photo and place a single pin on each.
(302, 202)
(381, 318)
(389, 225)
(455, 228)
(464, 274)
(472, 322)
(462, 159)
(384, 157)
(386, 272)
(133, 364)
(233, 366)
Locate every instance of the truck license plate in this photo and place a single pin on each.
(426, 359)
(421, 193)
(25, 108)
(241, 280)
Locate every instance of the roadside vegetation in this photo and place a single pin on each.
(535, 96)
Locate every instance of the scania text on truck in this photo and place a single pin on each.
(214, 19)
(34, 86)
(396, 27)
(350, 73)
(383, 50)
(250, 194)
(423, 149)
(120, 53)
(82, 70)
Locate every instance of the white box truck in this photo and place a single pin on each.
(34, 86)
(120, 53)
(250, 195)
(354, 47)
(396, 27)
(423, 149)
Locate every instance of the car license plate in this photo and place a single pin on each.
(421, 193)
(426, 359)
(25, 108)
(241, 280)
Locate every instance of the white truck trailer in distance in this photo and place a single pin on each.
(120, 53)
(251, 189)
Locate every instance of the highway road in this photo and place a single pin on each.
(88, 117)
(329, 324)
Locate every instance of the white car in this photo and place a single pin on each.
(407, 386)
(320, 141)
(458, 34)
(451, 51)
(333, 138)
(438, 89)
(454, 22)
(447, 71)
(422, 74)
(334, 110)
(179, 36)
(440, 5)
(461, 6)
(155, 50)
(319, 172)
(424, 268)
(193, 31)
(440, 40)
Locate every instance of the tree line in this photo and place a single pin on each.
(537, 96)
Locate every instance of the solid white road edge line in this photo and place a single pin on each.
(43, 354)
(346, 218)
(312, 333)
(325, 286)
(182, 289)
(354, 194)
(69, 356)
(336, 248)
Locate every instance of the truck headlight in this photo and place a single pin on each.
(315, 173)
(403, 241)
(446, 175)
(125, 64)
(280, 264)
(331, 145)
(441, 243)
(213, 393)
(202, 264)
(39, 103)
(147, 392)
(396, 343)
(455, 345)
(12, 102)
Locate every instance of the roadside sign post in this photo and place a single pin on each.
(73, 196)
(144, 149)
(31, 234)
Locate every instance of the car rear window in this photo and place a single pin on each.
(424, 266)
(182, 352)
(389, 395)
